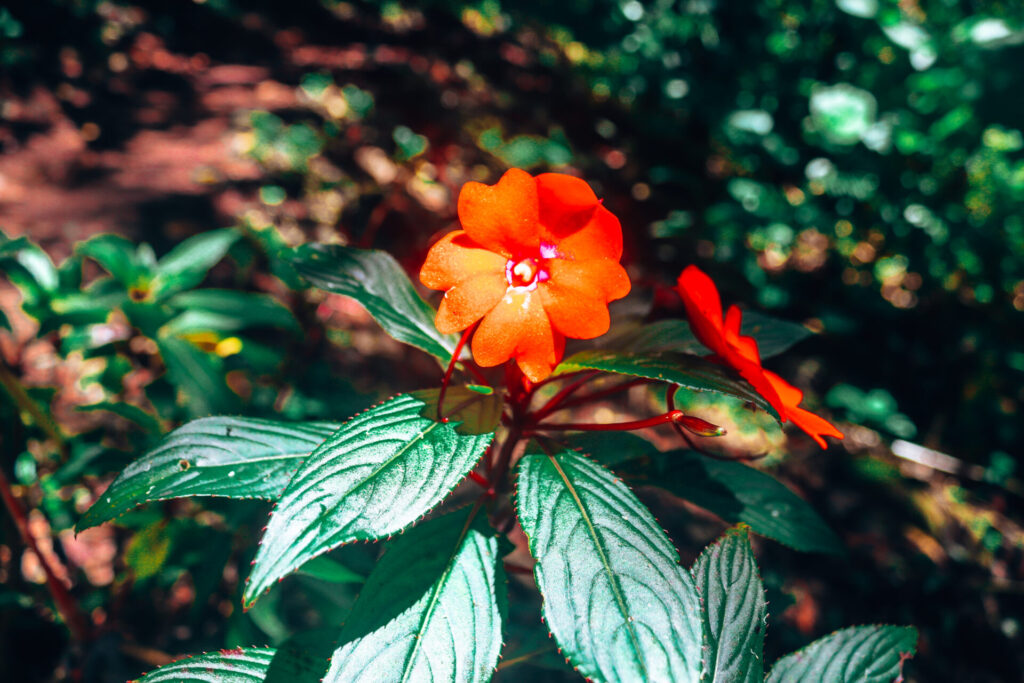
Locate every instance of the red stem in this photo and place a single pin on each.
(566, 391)
(558, 378)
(604, 393)
(66, 605)
(450, 369)
(667, 418)
(480, 481)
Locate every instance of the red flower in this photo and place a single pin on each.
(704, 310)
(537, 261)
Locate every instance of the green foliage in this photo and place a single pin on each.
(387, 468)
(241, 665)
(733, 610)
(374, 279)
(732, 490)
(739, 493)
(432, 608)
(615, 597)
(773, 336)
(232, 457)
(686, 370)
(873, 654)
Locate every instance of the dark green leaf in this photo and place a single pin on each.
(611, 449)
(431, 610)
(773, 335)
(231, 457)
(149, 423)
(186, 265)
(117, 255)
(304, 657)
(372, 478)
(739, 493)
(228, 310)
(326, 569)
(656, 337)
(374, 279)
(734, 610)
(862, 654)
(198, 376)
(240, 665)
(5, 324)
(615, 597)
(689, 371)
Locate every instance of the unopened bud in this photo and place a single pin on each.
(700, 427)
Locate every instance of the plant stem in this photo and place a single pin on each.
(26, 404)
(66, 605)
(670, 417)
(558, 398)
(451, 368)
(604, 393)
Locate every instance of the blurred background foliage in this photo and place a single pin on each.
(855, 165)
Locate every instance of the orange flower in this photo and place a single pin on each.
(537, 261)
(704, 310)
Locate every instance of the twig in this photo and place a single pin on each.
(66, 605)
(26, 404)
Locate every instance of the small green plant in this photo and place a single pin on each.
(455, 475)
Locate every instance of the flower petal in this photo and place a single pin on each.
(456, 258)
(815, 426)
(703, 307)
(518, 327)
(470, 300)
(592, 234)
(747, 346)
(502, 217)
(563, 192)
(577, 293)
(756, 375)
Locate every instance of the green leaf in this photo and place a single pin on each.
(117, 255)
(37, 265)
(228, 310)
(615, 597)
(612, 449)
(332, 571)
(773, 336)
(5, 324)
(739, 493)
(377, 281)
(241, 665)
(865, 654)
(656, 337)
(734, 610)
(473, 409)
(372, 478)
(148, 422)
(304, 657)
(689, 371)
(229, 457)
(431, 610)
(197, 375)
(185, 266)
(148, 550)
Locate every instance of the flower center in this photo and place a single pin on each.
(522, 273)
